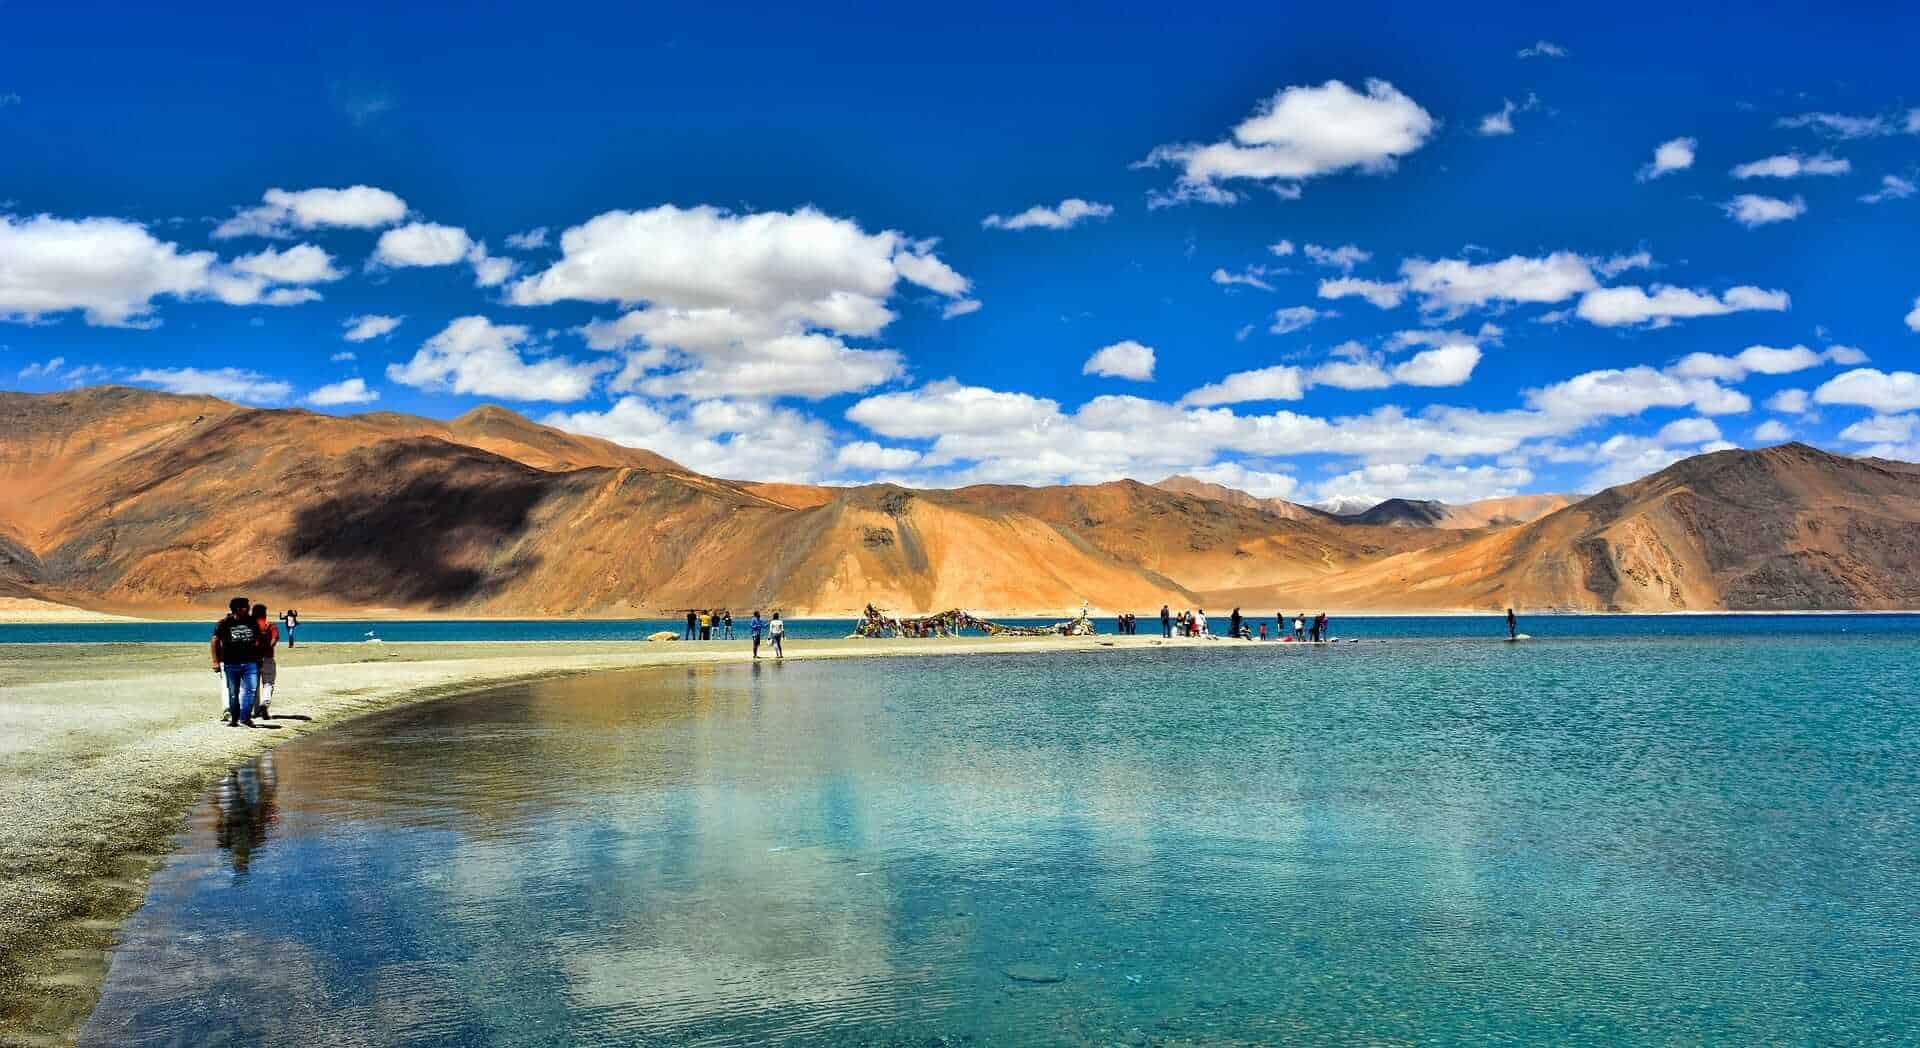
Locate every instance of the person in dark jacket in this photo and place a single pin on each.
(237, 650)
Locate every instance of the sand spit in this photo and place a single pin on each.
(103, 748)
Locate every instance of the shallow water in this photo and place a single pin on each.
(1697, 839)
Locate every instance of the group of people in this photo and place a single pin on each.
(1194, 624)
(717, 624)
(244, 643)
(1127, 624)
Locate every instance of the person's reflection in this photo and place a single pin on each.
(245, 811)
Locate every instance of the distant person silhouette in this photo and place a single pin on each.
(776, 632)
(1166, 621)
(693, 623)
(1513, 626)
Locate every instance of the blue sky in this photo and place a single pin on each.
(1317, 253)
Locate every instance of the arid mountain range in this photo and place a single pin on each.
(133, 501)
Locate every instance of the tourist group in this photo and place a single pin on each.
(243, 654)
(717, 624)
(1194, 624)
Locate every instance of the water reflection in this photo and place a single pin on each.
(1423, 843)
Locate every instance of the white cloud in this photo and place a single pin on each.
(531, 240)
(1790, 402)
(1886, 393)
(1448, 365)
(1293, 318)
(1772, 431)
(865, 456)
(1621, 306)
(1689, 431)
(1265, 484)
(1069, 213)
(1128, 359)
(1846, 356)
(1881, 429)
(345, 356)
(947, 407)
(43, 370)
(301, 264)
(1765, 360)
(350, 391)
(1500, 122)
(1342, 258)
(1255, 276)
(1753, 210)
(369, 326)
(1629, 391)
(1280, 382)
(1840, 125)
(1675, 154)
(960, 307)
(1625, 458)
(1456, 484)
(1451, 286)
(1793, 165)
(1892, 187)
(1301, 133)
(247, 387)
(1913, 318)
(1542, 49)
(735, 439)
(1281, 248)
(421, 244)
(764, 299)
(355, 207)
(475, 356)
(1381, 294)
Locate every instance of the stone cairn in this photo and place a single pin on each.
(876, 623)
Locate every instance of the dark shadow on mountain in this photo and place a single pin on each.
(415, 540)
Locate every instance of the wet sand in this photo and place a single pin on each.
(104, 747)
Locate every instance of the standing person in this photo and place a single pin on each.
(1513, 626)
(236, 654)
(706, 625)
(289, 621)
(756, 627)
(1263, 631)
(1166, 622)
(726, 623)
(693, 622)
(269, 669)
(1200, 622)
(1320, 626)
(776, 630)
(1233, 624)
(1300, 626)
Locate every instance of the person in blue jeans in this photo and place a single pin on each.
(237, 651)
(757, 627)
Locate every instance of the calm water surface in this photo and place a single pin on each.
(1705, 838)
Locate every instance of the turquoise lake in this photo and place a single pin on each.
(1697, 836)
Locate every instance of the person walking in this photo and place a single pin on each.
(1513, 626)
(776, 631)
(269, 669)
(756, 627)
(236, 655)
(693, 623)
(289, 621)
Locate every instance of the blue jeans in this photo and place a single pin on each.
(243, 683)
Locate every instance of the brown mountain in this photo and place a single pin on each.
(1185, 485)
(130, 500)
(1486, 513)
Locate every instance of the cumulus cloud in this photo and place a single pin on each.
(1300, 133)
(1880, 429)
(1689, 431)
(1342, 258)
(722, 438)
(1293, 318)
(1449, 364)
(531, 240)
(959, 308)
(1793, 165)
(1764, 360)
(1253, 276)
(369, 326)
(1675, 154)
(283, 211)
(1069, 213)
(422, 244)
(1791, 402)
(865, 456)
(1265, 484)
(1385, 295)
(1772, 431)
(237, 384)
(1282, 248)
(1376, 483)
(1542, 49)
(1453, 285)
(1280, 382)
(1128, 359)
(766, 300)
(1886, 393)
(111, 271)
(1892, 187)
(1628, 305)
(475, 356)
(349, 391)
(1753, 210)
(1913, 317)
(1629, 391)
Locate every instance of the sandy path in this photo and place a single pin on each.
(104, 747)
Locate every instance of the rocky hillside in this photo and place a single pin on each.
(128, 500)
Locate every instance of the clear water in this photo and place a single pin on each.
(322, 630)
(1694, 839)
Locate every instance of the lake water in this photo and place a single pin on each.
(1702, 838)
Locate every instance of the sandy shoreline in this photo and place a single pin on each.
(104, 747)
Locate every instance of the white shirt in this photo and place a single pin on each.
(776, 628)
